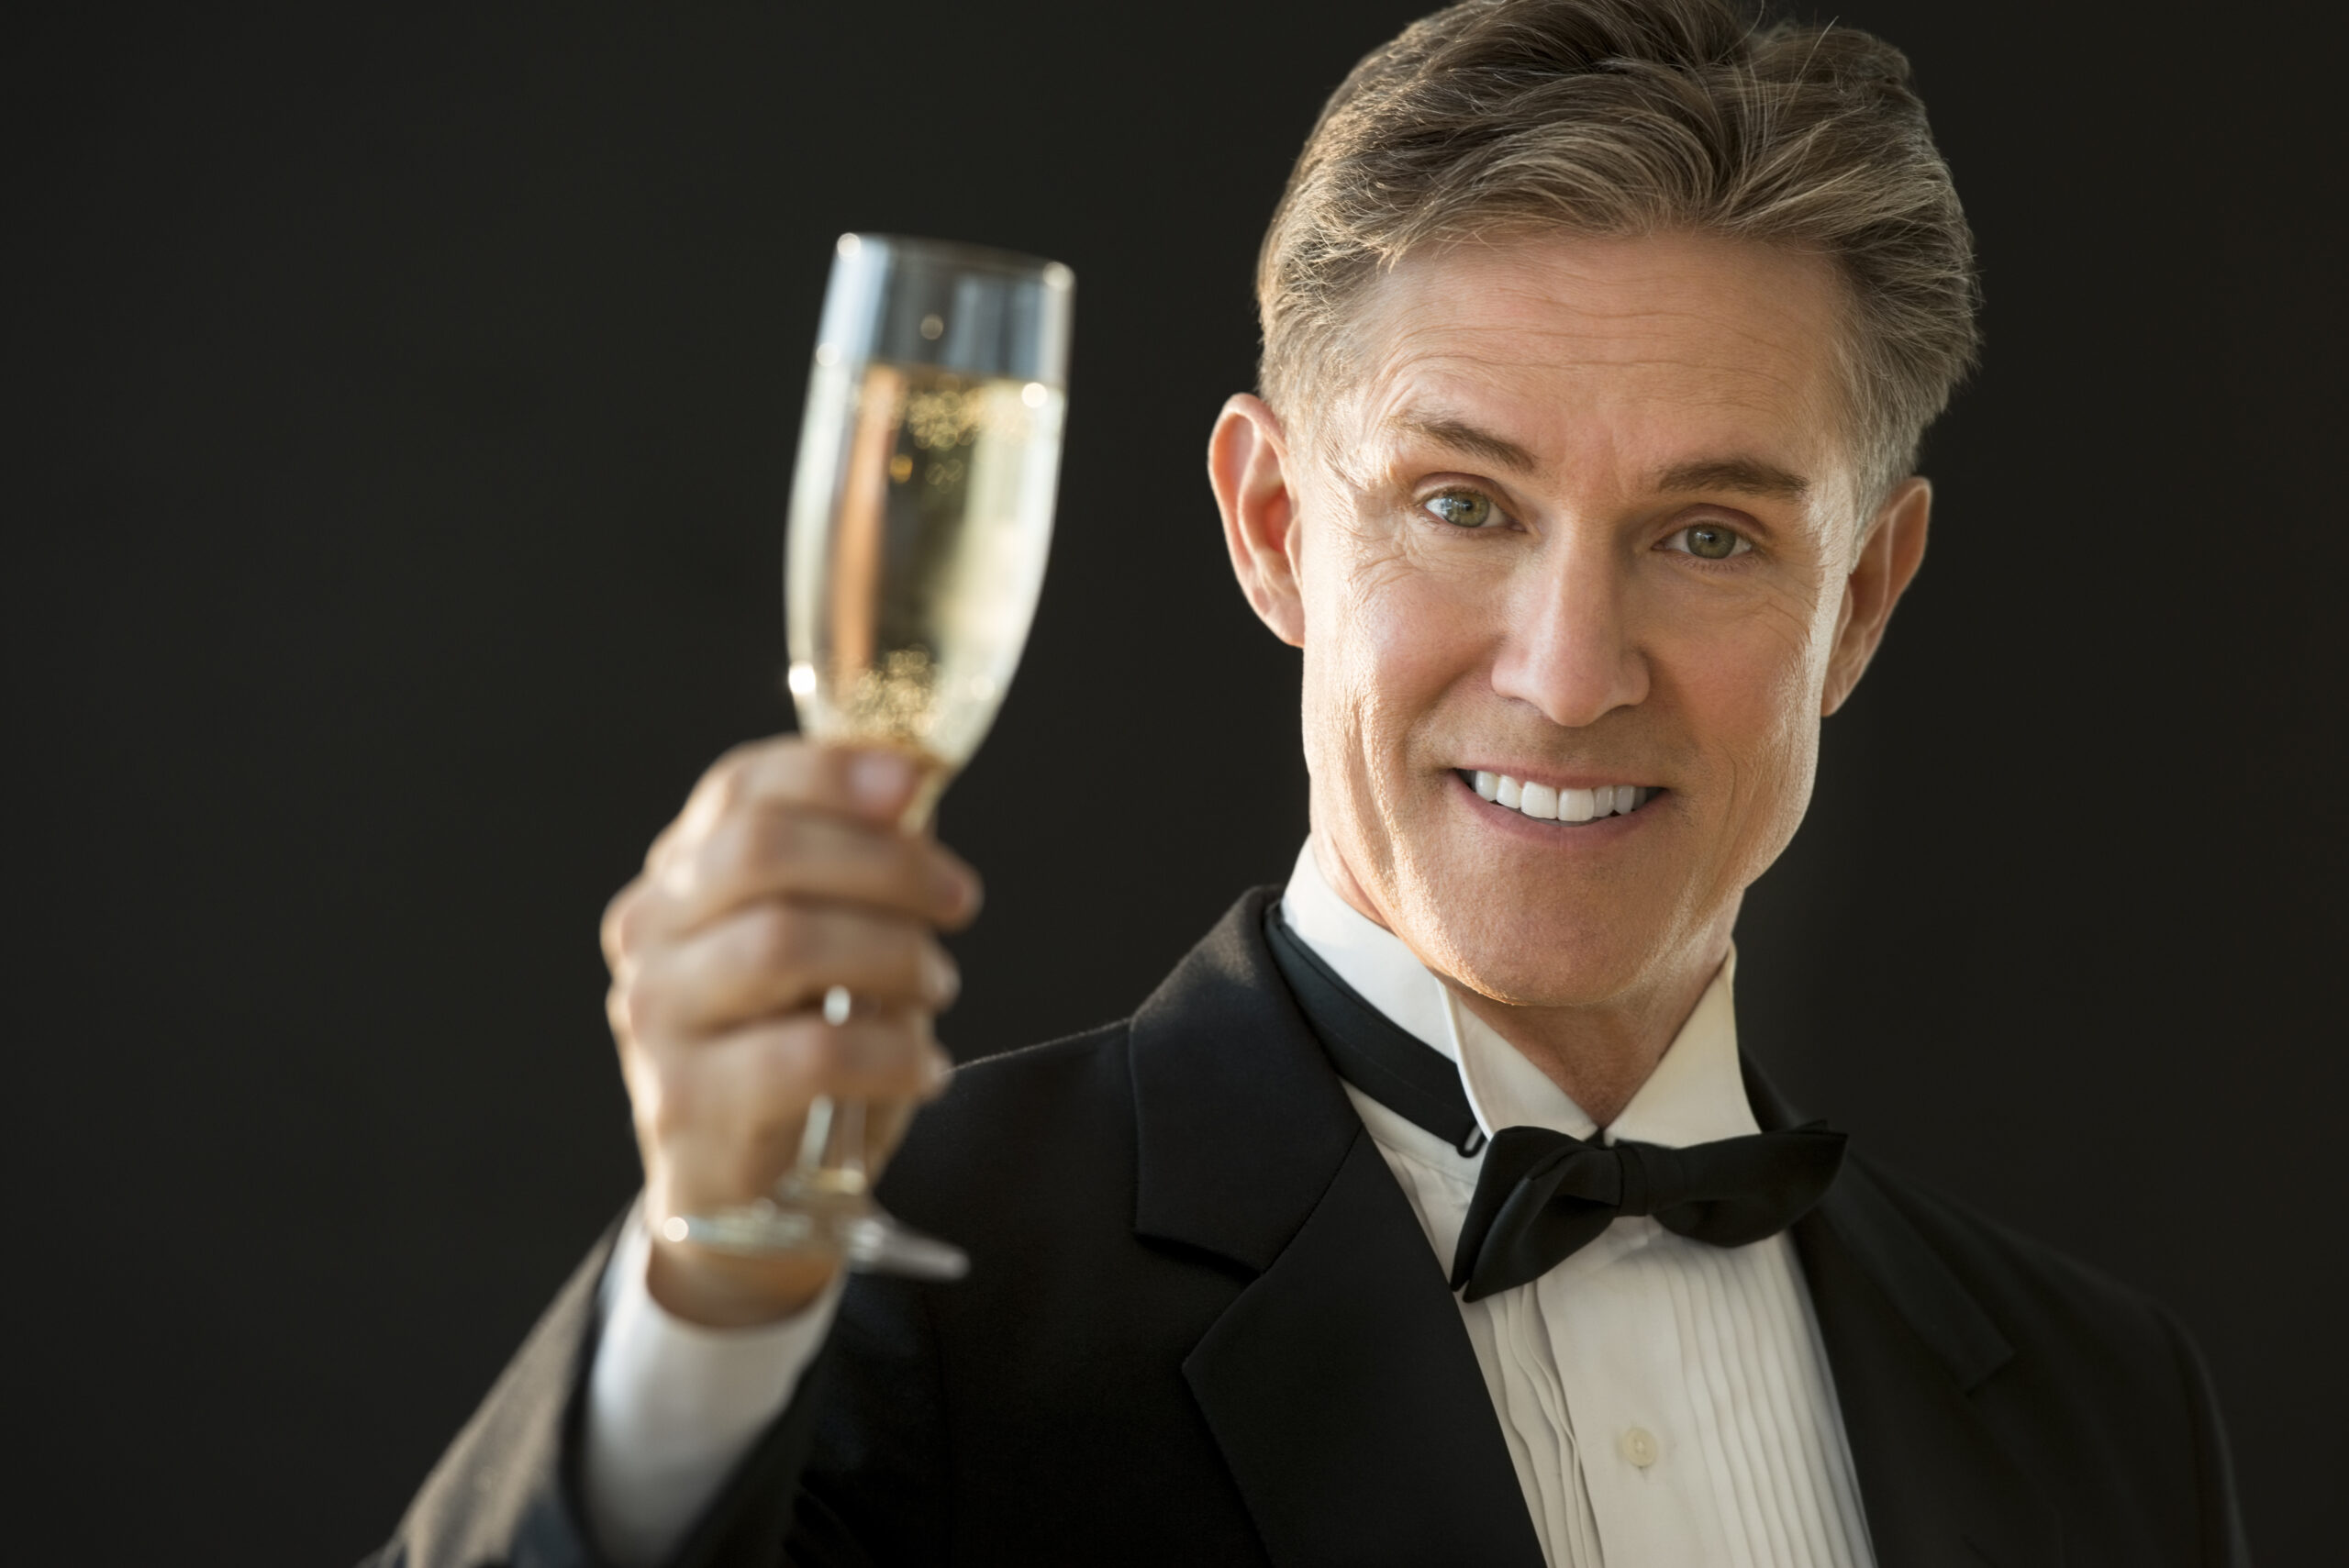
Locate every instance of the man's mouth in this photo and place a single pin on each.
(1546, 802)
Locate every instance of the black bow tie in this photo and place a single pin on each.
(1541, 1195)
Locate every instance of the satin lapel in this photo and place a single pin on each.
(1348, 1402)
(1339, 1384)
(1908, 1345)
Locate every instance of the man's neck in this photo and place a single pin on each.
(1597, 1054)
(1601, 1054)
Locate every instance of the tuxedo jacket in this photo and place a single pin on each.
(1203, 1326)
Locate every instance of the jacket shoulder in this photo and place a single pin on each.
(1071, 1065)
(2098, 1369)
(2074, 1397)
(2020, 1280)
(1041, 1118)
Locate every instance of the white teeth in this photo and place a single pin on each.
(1548, 803)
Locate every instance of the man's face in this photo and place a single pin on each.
(1587, 522)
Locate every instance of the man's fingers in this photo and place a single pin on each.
(869, 786)
(774, 957)
(789, 818)
(768, 853)
(784, 1063)
(764, 851)
(730, 1110)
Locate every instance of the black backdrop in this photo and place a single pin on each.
(404, 407)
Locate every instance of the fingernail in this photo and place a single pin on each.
(880, 779)
(943, 980)
(954, 891)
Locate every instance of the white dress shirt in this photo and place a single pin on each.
(672, 1405)
(1666, 1403)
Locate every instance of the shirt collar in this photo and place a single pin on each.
(1694, 1095)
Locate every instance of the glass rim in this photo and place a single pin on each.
(963, 254)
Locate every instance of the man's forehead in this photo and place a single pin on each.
(1763, 438)
(1663, 352)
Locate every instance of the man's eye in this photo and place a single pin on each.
(1710, 541)
(1462, 509)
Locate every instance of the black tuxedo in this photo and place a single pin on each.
(1203, 1326)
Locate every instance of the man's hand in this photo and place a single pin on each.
(784, 875)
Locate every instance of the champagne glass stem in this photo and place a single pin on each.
(834, 1156)
(831, 1150)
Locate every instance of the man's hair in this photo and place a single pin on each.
(1498, 118)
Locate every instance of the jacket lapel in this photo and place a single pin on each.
(1908, 1347)
(1339, 1384)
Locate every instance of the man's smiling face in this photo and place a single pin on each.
(1587, 523)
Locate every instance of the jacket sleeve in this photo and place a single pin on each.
(506, 1494)
(2224, 1543)
(875, 1485)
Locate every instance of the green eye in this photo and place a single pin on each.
(1462, 509)
(1711, 542)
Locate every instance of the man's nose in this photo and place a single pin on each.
(1566, 646)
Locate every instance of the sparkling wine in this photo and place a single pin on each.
(918, 525)
(920, 515)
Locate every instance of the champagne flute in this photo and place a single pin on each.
(922, 511)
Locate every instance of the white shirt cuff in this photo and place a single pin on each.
(672, 1407)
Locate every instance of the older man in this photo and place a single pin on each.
(1428, 1213)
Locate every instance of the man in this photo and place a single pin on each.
(1426, 1213)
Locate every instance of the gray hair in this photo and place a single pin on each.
(1627, 118)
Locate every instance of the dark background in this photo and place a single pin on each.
(403, 410)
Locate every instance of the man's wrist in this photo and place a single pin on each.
(718, 1290)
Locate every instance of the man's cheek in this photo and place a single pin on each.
(1755, 671)
(1410, 627)
(1373, 562)
(1753, 719)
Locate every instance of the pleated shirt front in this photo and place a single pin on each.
(1666, 1403)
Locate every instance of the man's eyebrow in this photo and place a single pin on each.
(1462, 437)
(1745, 475)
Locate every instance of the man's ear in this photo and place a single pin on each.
(1889, 554)
(1247, 466)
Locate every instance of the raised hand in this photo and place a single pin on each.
(785, 876)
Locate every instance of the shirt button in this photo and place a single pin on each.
(1640, 1448)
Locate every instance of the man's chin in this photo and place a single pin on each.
(1514, 985)
(1534, 963)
